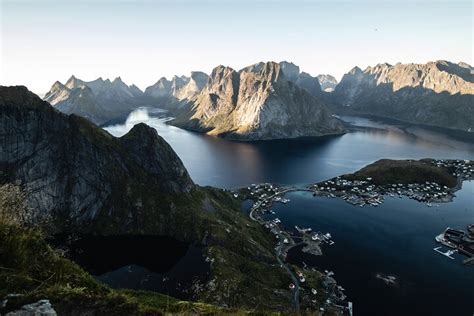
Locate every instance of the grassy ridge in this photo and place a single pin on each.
(386, 171)
(29, 266)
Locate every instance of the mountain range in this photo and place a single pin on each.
(436, 93)
(276, 100)
(262, 101)
(98, 100)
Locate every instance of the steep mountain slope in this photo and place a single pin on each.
(169, 92)
(437, 93)
(328, 83)
(78, 178)
(262, 101)
(31, 268)
(98, 100)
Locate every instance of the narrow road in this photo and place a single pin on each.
(258, 204)
(296, 290)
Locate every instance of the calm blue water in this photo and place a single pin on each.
(396, 238)
(221, 163)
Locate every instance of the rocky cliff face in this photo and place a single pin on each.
(328, 83)
(437, 93)
(69, 168)
(98, 100)
(178, 88)
(87, 181)
(262, 101)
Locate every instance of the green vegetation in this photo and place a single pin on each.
(29, 266)
(244, 272)
(94, 183)
(387, 171)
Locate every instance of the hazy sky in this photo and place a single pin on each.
(141, 41)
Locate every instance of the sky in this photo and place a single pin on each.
(142, 41)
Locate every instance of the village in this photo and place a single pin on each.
(360, 192)
(365, 192)
(306, 282)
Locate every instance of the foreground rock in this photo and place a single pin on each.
(436, 93)
(40, 308)
(262, 101)
(71, 176)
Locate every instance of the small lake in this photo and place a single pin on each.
(155, 263)
(396, 238)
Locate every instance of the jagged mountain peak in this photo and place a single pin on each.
(58, 85)
(118, 79)
(291, 71)
(73, 82)
(356, 70)
(327, 82)
(221, 69)
(435, 93)
(103, 99)
(259, 102)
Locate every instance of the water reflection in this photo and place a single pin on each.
(222, 163)
(395, 238)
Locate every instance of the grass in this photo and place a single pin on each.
(244, 272)
(29, 266)
(387, 171)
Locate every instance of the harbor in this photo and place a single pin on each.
(310, 287)
(298, 240)
(458, 241)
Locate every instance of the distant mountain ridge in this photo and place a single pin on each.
(437, 93)
(328, 83)
(179, 87)
(98, 100)
(262, 101)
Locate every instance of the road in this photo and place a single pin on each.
(296, 290)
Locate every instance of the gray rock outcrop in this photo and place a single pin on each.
(72, 170)
(328, 83)
(98, 100)
(40, 308)
(262, 101)
(436, 93)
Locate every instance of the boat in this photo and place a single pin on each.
(468, 261)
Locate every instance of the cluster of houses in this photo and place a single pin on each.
(463, 169)
(365, 192)
(263, 195)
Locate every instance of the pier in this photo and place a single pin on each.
(459, 241)
(264, 195)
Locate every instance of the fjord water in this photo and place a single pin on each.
(227, 164)
(396, 238)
